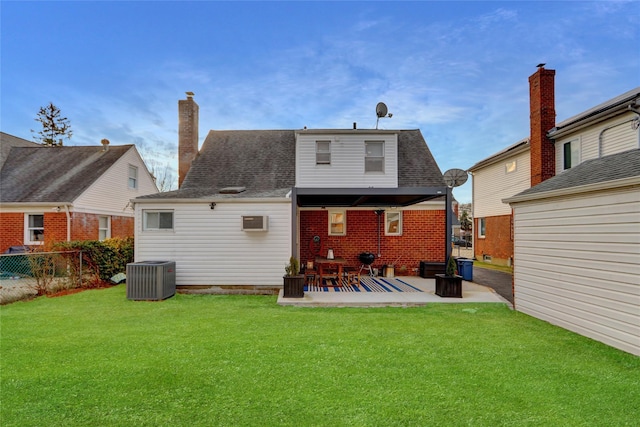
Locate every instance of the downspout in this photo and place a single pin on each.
(66, 209)
(293, 194)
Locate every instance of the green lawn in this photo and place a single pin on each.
(97, 359)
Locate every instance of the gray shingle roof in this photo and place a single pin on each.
(608, 168)
(9, 141)
(54, 174)
(263, 161)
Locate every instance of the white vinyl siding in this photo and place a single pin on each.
(347, 166)
(577, 259)
(493, 183)
(210, 248)
(602, 139)
(110, 194)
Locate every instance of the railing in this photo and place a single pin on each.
(23, 275)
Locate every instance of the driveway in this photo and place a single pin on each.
(497, 280)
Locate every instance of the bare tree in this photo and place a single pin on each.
(54, 126)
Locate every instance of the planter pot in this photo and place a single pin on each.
(293, 286)
(448, 286)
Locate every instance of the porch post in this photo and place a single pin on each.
(294, 222)
(449, 222)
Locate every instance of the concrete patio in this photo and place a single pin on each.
(471, 293)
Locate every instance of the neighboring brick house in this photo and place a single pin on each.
(249, 199)
(51, 194)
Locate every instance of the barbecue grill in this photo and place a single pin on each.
(366, 258)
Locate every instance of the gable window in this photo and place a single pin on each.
(133, 177)
(374, 156)
(104, 227)
(393, 223)
(510, 167)
(157, 220)
(34, 229)
(337, 223)
(482, 227)
(571, 154)
(323, 152)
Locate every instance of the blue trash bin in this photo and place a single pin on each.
(465, 268)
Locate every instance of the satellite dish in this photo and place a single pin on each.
(381, 109)
(455, 177)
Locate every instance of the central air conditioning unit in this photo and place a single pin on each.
(151, 280)
(255, 223)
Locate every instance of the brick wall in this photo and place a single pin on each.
(498, 240)
(542, 120)
(423, 235)
(83, 227)
(11, 230)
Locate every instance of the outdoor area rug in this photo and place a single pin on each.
(367, 284)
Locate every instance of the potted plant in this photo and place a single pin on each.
(293, 280)
(449, 284)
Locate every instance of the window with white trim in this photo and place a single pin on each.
(571, 154)
(133, 177)
(34, 229)
(153, 220)
(104, 227)
(393, 223)
(337, 223)
(323, 152)
(374, 156)
(510, 167)
(482, 227)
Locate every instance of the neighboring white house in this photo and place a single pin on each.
(577, 235)
(249, 199)
(495, 178)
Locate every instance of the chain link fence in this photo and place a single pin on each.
(27, 274)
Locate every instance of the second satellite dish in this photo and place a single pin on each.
(455, 177)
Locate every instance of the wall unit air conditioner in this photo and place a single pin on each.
(255, 222)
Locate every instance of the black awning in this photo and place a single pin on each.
(365, 197)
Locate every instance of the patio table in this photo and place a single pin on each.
(324, 263)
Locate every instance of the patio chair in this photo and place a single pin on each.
(351, 274)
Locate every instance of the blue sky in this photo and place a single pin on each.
(458, 71)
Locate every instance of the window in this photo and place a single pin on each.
(157, 220)
(133, 177)
(374, 156)
(34, 229)
(482, 225)
(571, 154)
(393, 223)
(510, 167)
(337, 223)
(104, 227)
(323, 152)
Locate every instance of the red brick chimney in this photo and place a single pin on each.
(187, 135)
(542, 119)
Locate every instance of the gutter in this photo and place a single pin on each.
(66, 209)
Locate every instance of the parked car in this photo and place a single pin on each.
(461, 242)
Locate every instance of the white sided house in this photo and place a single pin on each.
(250, 199)
(577, 234)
